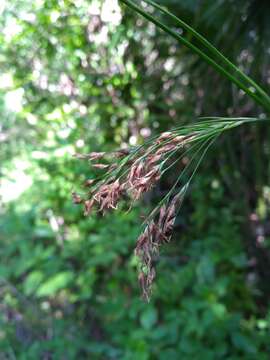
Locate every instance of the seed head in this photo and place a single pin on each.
(96, 155)
(164, 136)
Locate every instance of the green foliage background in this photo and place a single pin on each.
(89, 75)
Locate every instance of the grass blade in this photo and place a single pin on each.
(252, 89)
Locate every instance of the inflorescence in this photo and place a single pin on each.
(130, 173)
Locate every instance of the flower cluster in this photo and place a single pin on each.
(155, 234)
(130, 173)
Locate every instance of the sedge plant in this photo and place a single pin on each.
(130, 173)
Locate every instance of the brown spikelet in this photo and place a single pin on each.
(100, 166)
(96, 155)
(165, 149)
(162, 213)
(139, 170)
(149, 242)
(121, 153)
(142, 279)
(131, 176)
(180, 139)
(89, 182)
(183, 139)
(153, 159)
(164, 136)
(88, 205)
(108, 195)
(141, 180)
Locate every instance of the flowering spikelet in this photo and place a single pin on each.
(165, 149)
(140, 181)
(96, 155)
(108, 195)
(149, 242)
(121, 153)
(165, 136)
(100, 166)
(88, 205)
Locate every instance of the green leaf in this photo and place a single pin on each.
(149, 318)
(32, 281)
(55, 283)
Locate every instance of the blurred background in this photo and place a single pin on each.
(80, 76)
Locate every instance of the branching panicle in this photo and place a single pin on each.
(130, 173)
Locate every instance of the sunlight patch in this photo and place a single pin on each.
(16, 182)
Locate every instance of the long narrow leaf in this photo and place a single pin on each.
(252, 89)
(210, 47)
